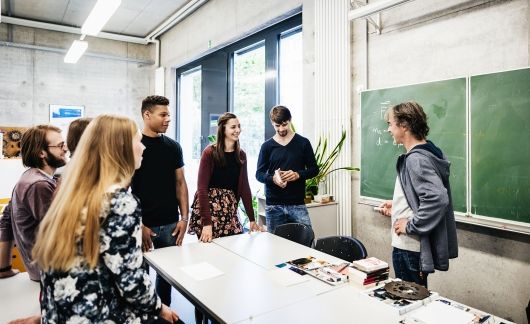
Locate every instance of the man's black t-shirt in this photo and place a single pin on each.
(154, 183)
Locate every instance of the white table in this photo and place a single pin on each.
(19, 297)
(267, 250)
(343, 305)
(243, 291)
(246, 293)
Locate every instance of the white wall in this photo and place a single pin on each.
(432, 40)
(219, 22)
(31, 80)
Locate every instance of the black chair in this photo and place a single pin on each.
(296, 232)
(343, 247)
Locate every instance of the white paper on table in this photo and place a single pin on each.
(286, 277)
(439, 313)
(201, 271)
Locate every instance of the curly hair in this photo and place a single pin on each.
(151, 101)
(411, 115)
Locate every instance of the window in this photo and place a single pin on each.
(247, 78)
(291, 69)
(189, 125)
(249, 103)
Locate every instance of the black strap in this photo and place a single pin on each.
(5, 269)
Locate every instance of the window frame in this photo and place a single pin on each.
(270, 36)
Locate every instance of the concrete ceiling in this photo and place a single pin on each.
(133, 18)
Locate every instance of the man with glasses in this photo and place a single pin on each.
(43, 150)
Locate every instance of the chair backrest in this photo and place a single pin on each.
(344, 247)
(296, 232)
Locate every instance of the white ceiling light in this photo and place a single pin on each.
(76, 51)
(98, 17)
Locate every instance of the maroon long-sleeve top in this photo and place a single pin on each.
(206, 169)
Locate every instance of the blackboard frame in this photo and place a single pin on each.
(468, 216)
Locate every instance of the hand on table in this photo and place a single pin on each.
(168, 314)
(180, 231)
(206, 235)
(254, 227)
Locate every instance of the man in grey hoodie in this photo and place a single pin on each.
(423, 223)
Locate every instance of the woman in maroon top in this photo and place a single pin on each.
(221, 183)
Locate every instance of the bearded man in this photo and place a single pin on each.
(43, 150)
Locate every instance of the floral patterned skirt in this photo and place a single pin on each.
(223, 208)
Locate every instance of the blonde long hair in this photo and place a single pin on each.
(104, 156)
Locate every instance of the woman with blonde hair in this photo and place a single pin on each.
(89, 243)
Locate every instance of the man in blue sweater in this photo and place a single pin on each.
(423, 222)
(285, 161)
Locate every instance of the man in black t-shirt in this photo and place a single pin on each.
(160, 185)
(285, 162)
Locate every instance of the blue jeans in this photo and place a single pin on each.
(407, 266)
(281, 214)
(163, 239)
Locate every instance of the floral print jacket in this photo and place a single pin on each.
(118, 290)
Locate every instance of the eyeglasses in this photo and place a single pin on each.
(60, 145)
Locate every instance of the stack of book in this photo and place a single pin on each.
(333, 274)
(368, 272)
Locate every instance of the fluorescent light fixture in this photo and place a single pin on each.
(373, 8)
(98, 17)
(75, 52)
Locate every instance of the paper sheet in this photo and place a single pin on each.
(286, 277)
(201, 271)
(439, 313)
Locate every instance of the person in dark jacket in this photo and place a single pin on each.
(423, 222)
(285, 162)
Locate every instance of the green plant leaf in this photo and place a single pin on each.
(325, 162)
(212, 139)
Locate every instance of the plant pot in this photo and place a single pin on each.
(322, 188)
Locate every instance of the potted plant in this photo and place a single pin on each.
(245, 220)
(325, 160)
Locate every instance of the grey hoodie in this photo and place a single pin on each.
(424, 176)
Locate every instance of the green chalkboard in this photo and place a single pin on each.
(500, 145)
(445, 105)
